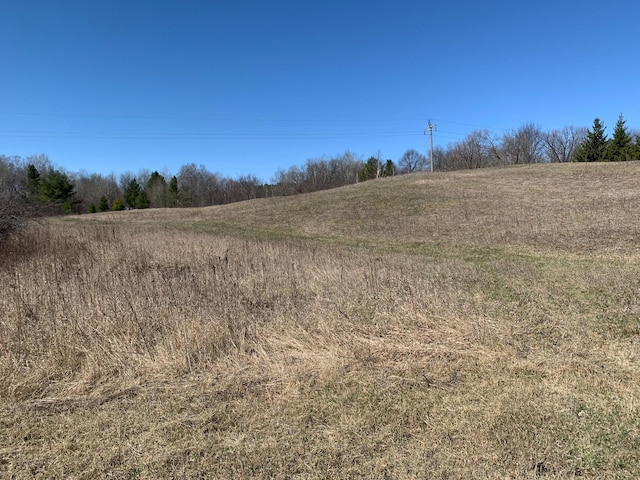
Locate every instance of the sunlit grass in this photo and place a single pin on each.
(465, 325)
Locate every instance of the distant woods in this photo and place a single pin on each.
(33, 186)
(530, 144)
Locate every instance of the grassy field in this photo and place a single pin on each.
(476, 324)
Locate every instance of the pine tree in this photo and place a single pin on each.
(173, 191)
(389, 169)
(131, 193)
(594, 147)
(369, 170)
(56, 189)
(103, 205)
(33, 179)
(157, 190)
(620, 147)
(67, 206)
(142, 200)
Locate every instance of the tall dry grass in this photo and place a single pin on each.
(92, 304)
(192, 345)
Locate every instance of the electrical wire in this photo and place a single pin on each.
(441, 134)
(199, 136)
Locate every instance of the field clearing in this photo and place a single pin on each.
(476, 324)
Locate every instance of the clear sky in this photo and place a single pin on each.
(247, 87)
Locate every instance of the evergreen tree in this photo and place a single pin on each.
(173, 185)
(594, 147)
(142, 200)
(67, 206)
(56, 189)
(92, 208)
(389, 169)
(131, 193)
(155, 179)
(369, 171)
(173, 191)
(33, 179)
(620, 147)
(157, 190)
(103, 205)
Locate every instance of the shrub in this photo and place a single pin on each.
(117, 205)
(103, 205)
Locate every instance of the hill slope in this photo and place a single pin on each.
(480, 324)
(565, 207)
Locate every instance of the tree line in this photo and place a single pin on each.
(33, 185)
(530, 144)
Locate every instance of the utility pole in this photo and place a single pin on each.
(430, 127)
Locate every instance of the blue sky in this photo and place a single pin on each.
(247, 87)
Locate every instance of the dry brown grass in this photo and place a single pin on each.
(465, 325)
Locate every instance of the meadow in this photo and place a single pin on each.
(476, 324)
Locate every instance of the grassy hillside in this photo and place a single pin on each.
(575, 208)
(477, 324)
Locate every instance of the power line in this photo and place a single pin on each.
(484, 127)
(443, 134)
(199, 136)
(239, 119)
(211, 118)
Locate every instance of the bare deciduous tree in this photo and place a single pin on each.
(561, 145)
(200, 187)
(524, 145)
(318, 174)
(15, 205)
(439, 158)
(91, 187)
(412, 161)
(475, 151)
